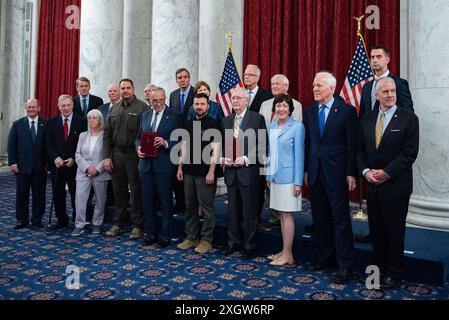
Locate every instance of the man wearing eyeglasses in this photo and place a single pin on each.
(256, 94)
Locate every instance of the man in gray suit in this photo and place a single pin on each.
(242, 172)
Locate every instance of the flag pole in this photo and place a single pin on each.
(230, 35)
(358, 214)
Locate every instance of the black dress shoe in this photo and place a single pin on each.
(390, 283)
(248, 254)
(342, 276)
(321, 266)
(230, 251)
(164, 244)
(309, 229)
(38, 224)
(363, 239)
(60, 226)
(20, 226)
(149, 241)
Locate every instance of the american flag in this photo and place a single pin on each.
(230, 79)
(359, 73)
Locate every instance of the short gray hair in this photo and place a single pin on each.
(63, 97)
(155, 89)
(282, 77)
(382, 80)
(330, 78)
(245, 92)
(96, 113)
(259, 72)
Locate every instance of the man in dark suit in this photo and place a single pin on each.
(387, 147)
(114, 97)
(180, 101)
(27, 159)
(83, 102)
(182, 98)
(61, 142)
(156, 173)
(330, 170)
(379, 59)
(243, 174)
(256, 94)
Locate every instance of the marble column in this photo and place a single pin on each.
(13, 73)
(217, 18)
(101, 43)
(175, 41)
(428, 54)
(137, 42)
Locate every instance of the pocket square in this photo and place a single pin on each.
(395, 130)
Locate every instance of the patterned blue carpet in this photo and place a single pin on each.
(33, 266)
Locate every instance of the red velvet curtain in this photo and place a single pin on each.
(57, 55)
(301, 37)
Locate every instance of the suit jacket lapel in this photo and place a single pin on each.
(330, 117)
(372, 120)
(245, 121)
(286, 126)
(387, 131)
(164, 120)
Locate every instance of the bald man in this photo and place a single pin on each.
(27, 160)
(114, 97)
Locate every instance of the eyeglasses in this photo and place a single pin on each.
(250, 75)
(237, 98)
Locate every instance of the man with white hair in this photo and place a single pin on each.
(279, 85)
(387, 148)
(330, 171)
(257, 95)
(242, 173)
(114, 97)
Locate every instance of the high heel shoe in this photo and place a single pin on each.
(282, 262)
(274, 256)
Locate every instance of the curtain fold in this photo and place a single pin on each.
(301, 37)
(57, 54)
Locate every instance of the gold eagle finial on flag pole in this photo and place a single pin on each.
(230, 36)
(359, 22)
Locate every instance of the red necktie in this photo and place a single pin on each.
(272, 116)
(66, 130)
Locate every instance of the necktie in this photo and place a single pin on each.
(322, 119)
(66, 129)
(153, 124)
(33, 131)
(237, 126)
(84, 106)
(250, 100)
(272, 116)
(379, 128)
(373, 94)
(181, 102)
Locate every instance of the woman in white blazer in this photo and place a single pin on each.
(91, 173)
(285, 172)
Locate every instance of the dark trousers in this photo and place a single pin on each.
(242, 212)
(178, 189)
(60, 178)
(157, 187)
(199, 194)
(37, 183)
(125, 173)
(387, 225)
(332, 222)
